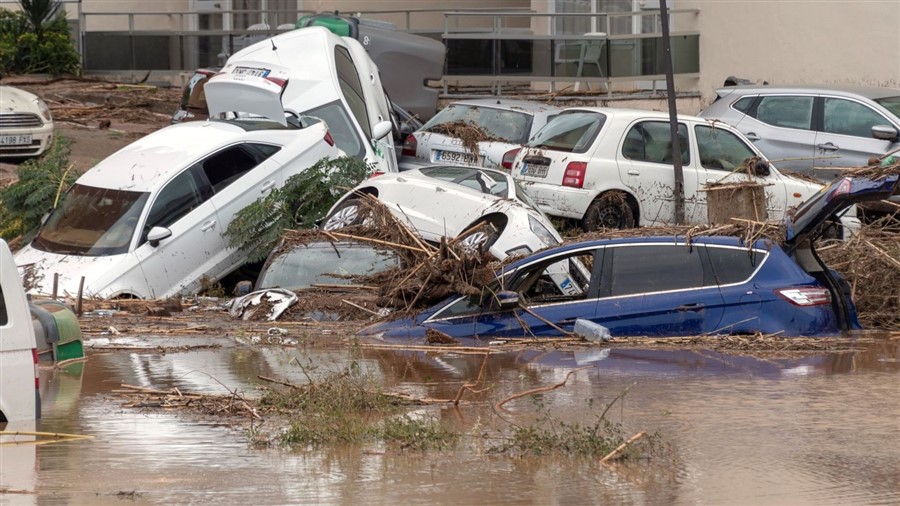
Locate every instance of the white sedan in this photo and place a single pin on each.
(509, 124)
(445, 201)
(613, 168)
(26, 126)
(149, 220)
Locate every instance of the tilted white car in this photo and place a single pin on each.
(513, 121)
(445, 201)
(311, 72)
(613, 168)
(26, 126)
(149, 220)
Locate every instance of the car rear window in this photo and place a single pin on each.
(655, 268)
(734, 265)
(744, 104)
(574, 132)
(483, 181)
(504, 124)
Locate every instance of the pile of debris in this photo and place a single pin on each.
(470, 133)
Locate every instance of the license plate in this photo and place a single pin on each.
(250, 72)
(15, 140)
(530, 169)
(455, 157)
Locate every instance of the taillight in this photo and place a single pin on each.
(37, 372)
(279, 82)
(574, 175)
(328, 138)
(842, 188)
(409, 146)
(376, 174)
(806, 296)
(509, 157)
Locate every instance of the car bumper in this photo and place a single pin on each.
(41, 139)
(557, 200)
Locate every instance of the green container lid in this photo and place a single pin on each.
(334, 24)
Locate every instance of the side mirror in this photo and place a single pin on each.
(508, 299)
(381, 130)
(157, 234)
(884, 132)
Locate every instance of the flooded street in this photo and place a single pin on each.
(792, 429)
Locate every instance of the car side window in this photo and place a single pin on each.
(654, 268)
(228, 165)
(733, 265)
(721, 149)
(352, 88)
(787, 112)
(565, 279)
(846, 117)
(744, 104)
(651, 141)
(4, 315)
(180, 196)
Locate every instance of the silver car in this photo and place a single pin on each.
(811, 129)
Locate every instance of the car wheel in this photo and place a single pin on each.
(479, 240)
(349, 213)
(610, 210)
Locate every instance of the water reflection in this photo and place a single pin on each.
(788, 428)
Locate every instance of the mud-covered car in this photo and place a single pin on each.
(666, 286)
(484, 208)
(321, 263)
(26, 126)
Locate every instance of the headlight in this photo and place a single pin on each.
(45, 111)
(541, 231)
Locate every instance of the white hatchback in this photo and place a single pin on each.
(149, 220)
(508, 123)
(26, 126)
(612, 168)
(446, 201)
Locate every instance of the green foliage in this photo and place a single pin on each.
(25, 49)
(416, 433)
(41, 181)
(40, 12)
(300, 203)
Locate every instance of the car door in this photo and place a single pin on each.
(645, 166)
(660, 289)
(543, 306)
(844, 138)
(733, 268)
(781, 127)
(177, 262)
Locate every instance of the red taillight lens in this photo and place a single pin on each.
(376, 174)
(509, 157)
(574, 175)
(328, 138)
(843, 187)
(37, 372)
(279, 82)
(409, 146)
(806, 296)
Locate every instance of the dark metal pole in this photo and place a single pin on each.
(673, 115)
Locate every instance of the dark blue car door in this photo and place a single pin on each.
(658, 289)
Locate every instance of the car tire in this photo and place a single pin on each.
(349, 213)
(480, 240)
(610, 210)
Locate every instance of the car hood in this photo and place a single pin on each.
(248, 87)
(16, 100)
(403, 329)
(834, 198)
(99, 272)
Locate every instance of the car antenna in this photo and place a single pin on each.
(273, 45)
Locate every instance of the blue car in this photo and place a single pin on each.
(665, 286)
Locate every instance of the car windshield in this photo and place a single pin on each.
(324, 263)
(92, 222)
(480, 180)
(339, 126)
(573, 132)
(503, 124)
(892, 104)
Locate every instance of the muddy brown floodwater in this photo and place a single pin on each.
(793, 429)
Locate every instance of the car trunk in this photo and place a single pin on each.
(253, 88)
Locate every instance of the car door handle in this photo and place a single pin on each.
(208, 225)
(828, 146)
(268, 185)
(632, 172)
(691, 307)
(753, 136)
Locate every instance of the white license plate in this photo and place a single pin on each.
(455, 157)
(250, 72)
(530, 169)
(15, 140)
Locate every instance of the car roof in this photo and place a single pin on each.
(871, 92)
(632, 114)
(525, 106)
(143, 164)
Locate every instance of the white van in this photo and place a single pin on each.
(18, 350)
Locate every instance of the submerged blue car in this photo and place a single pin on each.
(663, 286)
